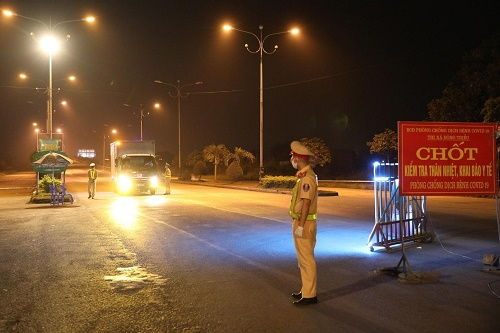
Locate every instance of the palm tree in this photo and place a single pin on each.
(241, 154)
(216, 154)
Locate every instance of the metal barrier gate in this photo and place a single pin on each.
(394, 212)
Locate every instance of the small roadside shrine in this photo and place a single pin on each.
(50, 162)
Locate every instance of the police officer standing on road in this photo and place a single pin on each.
(303, 208)
(168, 177)
(92, 173)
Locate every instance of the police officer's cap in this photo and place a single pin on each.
(92, 164)
(300, 151)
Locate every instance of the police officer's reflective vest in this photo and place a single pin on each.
(92, 174)
(292, 213)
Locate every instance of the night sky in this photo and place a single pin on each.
(356, 68)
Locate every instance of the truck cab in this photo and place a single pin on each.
(136, 173)
(133, 167)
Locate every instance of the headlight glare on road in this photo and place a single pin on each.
(124, 184)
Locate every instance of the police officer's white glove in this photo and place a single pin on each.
(298, 231)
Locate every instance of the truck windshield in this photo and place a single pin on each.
(139, 162)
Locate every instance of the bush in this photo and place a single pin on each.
(46, 181)
(186, 175)
(199, 169)
(234, 171)
(278, 181)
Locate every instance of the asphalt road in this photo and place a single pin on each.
(211, 259)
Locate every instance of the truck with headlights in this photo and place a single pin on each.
(133, 167)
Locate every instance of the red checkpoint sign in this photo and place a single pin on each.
(447, 158)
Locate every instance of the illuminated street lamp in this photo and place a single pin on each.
(141, 111)
(50, 45)
(49, 97)
(179, 95)
(261, 50)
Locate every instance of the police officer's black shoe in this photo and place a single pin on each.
(306, 301)
(297, 295)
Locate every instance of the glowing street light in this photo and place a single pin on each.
(50, 45)
(178, 95)
(261, 50)
(46, 89)
(141, 111)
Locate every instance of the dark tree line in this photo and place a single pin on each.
(473, 95)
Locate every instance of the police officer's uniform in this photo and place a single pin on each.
(306, 187)
(92, 174)
(168, 178)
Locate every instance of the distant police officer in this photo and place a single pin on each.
(303, 208)
(168, 177)
(92, 173)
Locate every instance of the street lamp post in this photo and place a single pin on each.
(113, 131)
(49, 90)
(141, 111)
(178, 95)
(49, 44)
(261, 50)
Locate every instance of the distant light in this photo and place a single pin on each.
(59, 130)
(375, 164)
(7, 12)
(294, 31)
(227, 27)
(114, 132)
(89, 19)
(72, 78)
(157, 105)
(23, 76)
(64, 103)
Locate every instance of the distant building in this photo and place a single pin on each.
(86, 153)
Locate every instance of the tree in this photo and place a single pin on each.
(491, 110)
(241, 154)
(194, 157)
(216, 154)
(385, 143)
(319, 148)
(234, 170)
(476, 85)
